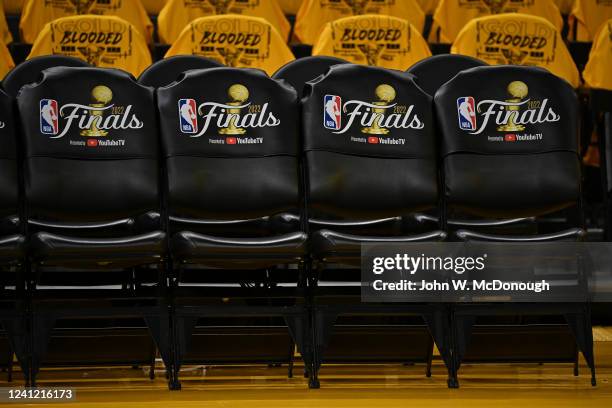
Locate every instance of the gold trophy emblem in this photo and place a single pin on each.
(517, 90)
(101, 96)
(238, 94)
(385, 94)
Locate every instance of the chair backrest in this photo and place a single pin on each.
(313, 15)
(6, 60)
(9, 180)
(36, 14)
(369, 149)
(302, 70)
(509, 142)
(29, 71)
(102, 41)
(431, 73)
(91, 146)
(375, 40)
(176, 14)
(5, 32)
(231, 147)
(167, 70)
(452, 15)
(586, 19)
(235, 41)
(597, 70)
(517, 39)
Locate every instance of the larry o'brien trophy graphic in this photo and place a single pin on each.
(518, 90)
(238, 94)
(101, 95)
(385, 94)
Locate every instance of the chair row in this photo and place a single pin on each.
(225, 170)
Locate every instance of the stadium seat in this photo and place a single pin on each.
(315, 14)
(5, 33)
(382, 41)
(153, 6)
(346, 211)
(233, 192)
(6, 60)
(29, 71)
(102, 41)
(480, 178)
(433, 72)
(235, 41)
(13, 329)
(36, 15)
(91, 134)
(177, 14)
(493, 39)
(586, 19)
(302, 70)
(597, 71)
(452, 15)
(13, 6)
(166, 71)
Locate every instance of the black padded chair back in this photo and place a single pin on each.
(509, 141)
(302, 70)
(9, 180)
(433, 72)
(369, 149)
(231, 146)
(29, 71)
(91, 146)
(167, 70)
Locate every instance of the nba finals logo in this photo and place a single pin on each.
(332, 116)
(232, 118)
(509, 115)
(93, 120)
(375, 118)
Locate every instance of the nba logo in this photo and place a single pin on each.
(467, 113)
(187, 116)
(332, 106)
(48, 117)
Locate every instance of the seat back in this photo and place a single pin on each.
(37, 14)
(597, 71)
(302, 70)
(6, 60)
(176, 14)
(452, 15)
(102, 41)
(5, 32)
(369, 149)
(431, 73)
(234, 41)
(91, 148)
(313, 15)
(382, 41)
(29, 71)
(586, 19)
(9, 180)
(509, 142)
(517, 39)
(230, 147)
(166, 71)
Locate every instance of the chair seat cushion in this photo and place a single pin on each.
(12, 248)
(62, 250)
(254, 252)
(337, 246)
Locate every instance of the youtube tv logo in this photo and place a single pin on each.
(230, 140)
(373, 140)
(511, 137)
(92, 142)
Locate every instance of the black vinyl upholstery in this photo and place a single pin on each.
(302, 70)
(94, 164)
(240, 169)
(167, 70)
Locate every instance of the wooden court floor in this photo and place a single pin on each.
(371, 386)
